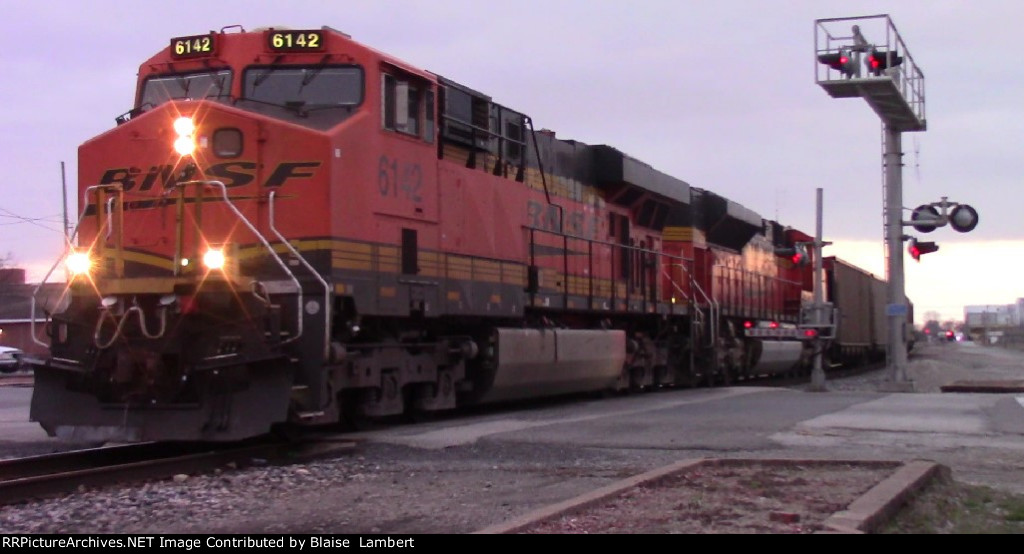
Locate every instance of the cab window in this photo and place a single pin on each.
(185, 86)
(407, 106)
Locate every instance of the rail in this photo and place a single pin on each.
(640, 280)
(316, 274)
(68, 247)
(112, 220)
(53, 474)
(714, 311)
(266, 244)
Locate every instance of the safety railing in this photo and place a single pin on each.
(633, 268)
(259, 236)
(314, 272)
(860, 38)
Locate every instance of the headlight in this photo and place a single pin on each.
(184, 126)
(78, 263)
(214, 258)
(184, 144)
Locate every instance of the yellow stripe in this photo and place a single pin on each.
(149, 259)
(351, 256)
(678, 233)
(350, 264)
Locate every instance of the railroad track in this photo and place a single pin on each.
(54, 474)
(16, 379)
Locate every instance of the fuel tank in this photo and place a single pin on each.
(547, 362)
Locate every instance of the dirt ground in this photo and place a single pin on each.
(790, 498)
(751, 497)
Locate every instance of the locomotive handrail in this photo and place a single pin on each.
(483, 130)
(316, 274)
(252, 228)
(120, 326)
(590, 243)
(70, 240)
(543, 179)
(675, 285)
(713, 306)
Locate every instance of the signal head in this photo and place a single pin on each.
(796, 254)
(918, 249)
(800, 256)
(880, 60)
(840, 61)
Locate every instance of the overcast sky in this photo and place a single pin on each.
(720, 94)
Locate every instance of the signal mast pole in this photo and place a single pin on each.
(817, 369)
(897, 310)
(894, 88)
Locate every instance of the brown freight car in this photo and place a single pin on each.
(860, 298)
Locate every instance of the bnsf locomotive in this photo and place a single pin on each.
(292, 227)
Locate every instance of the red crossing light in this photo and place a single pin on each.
(839, 61)
(879, 60)
(918, 249)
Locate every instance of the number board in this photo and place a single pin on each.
(295, 41)
(195, 46)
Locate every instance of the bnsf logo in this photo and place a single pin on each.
(232, 174)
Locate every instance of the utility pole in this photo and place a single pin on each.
(64, 189)
(818, 369)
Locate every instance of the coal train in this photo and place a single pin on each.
(290, 227)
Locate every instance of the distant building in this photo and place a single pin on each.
(16, 310)
(991, 316)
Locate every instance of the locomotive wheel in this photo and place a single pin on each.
(352, 415)
(727, 375)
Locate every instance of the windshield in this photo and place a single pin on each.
(192, 86)
(305, 87)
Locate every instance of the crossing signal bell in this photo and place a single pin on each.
(840, 61)
(926, 218)
(918, 249)
(880, 60)
(963, 218)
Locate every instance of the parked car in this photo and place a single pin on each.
(10, 359)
